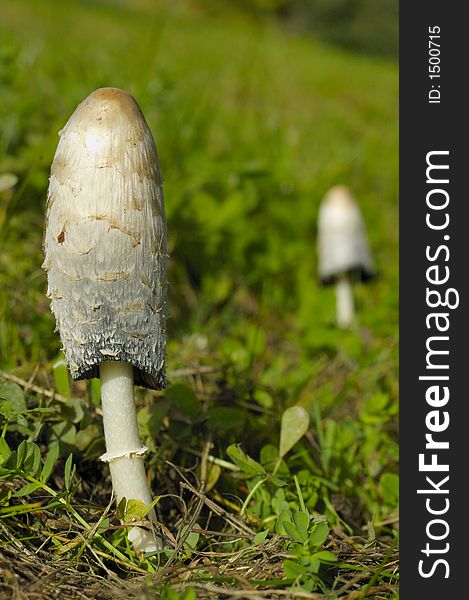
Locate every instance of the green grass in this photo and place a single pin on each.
(253, 126)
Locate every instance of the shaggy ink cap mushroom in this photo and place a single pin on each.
(106, 241)
(343, 250)
(342, 243)
(105, 254)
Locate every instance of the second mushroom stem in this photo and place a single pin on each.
(124, 451)
(344, 298)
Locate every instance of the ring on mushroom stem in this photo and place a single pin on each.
(343, 251)
(105, 247)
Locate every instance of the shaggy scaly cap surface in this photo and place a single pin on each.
(105, 240)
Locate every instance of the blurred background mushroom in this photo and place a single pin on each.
(343, 252)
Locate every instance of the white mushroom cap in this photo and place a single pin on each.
(342, 243)
(105, 241)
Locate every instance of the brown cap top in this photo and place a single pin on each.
(106, 107)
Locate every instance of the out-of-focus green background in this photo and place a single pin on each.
(257, 107)
(253, 124)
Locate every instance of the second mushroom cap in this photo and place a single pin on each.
(342, 243)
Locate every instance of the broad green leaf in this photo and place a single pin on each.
(120, 510)
(296, 525)
(178, 430)
(277, 481)
(12, 401)
(377, 402)
(192, 539)
(309, 584)
(389, 485)
(301, 521)
(243, 461)
(293, 532)
(73, 411)
(87, 437)
(134, 509)
(32, 459)
(284, 517)
(10, 461)
(56, 542)
(150, 418)
(66, 432)
(26, 490)
(260, 537)
(21, 454)
(6, 473)
(293, 569)
(4, 448)
(270, 460)
(213, 474)
(185, 400)
(279, 504)
(36, 459)
(269, 454)
(263, 398)
(69, 472)
(61, 377)
(319, 533)
(94, 391)
(225, 418)
(42, 410)
(49, 463)
(325, 556)
(314, 565)
(295, 423)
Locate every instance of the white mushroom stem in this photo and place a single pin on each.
(344, 299)
(124, 451)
